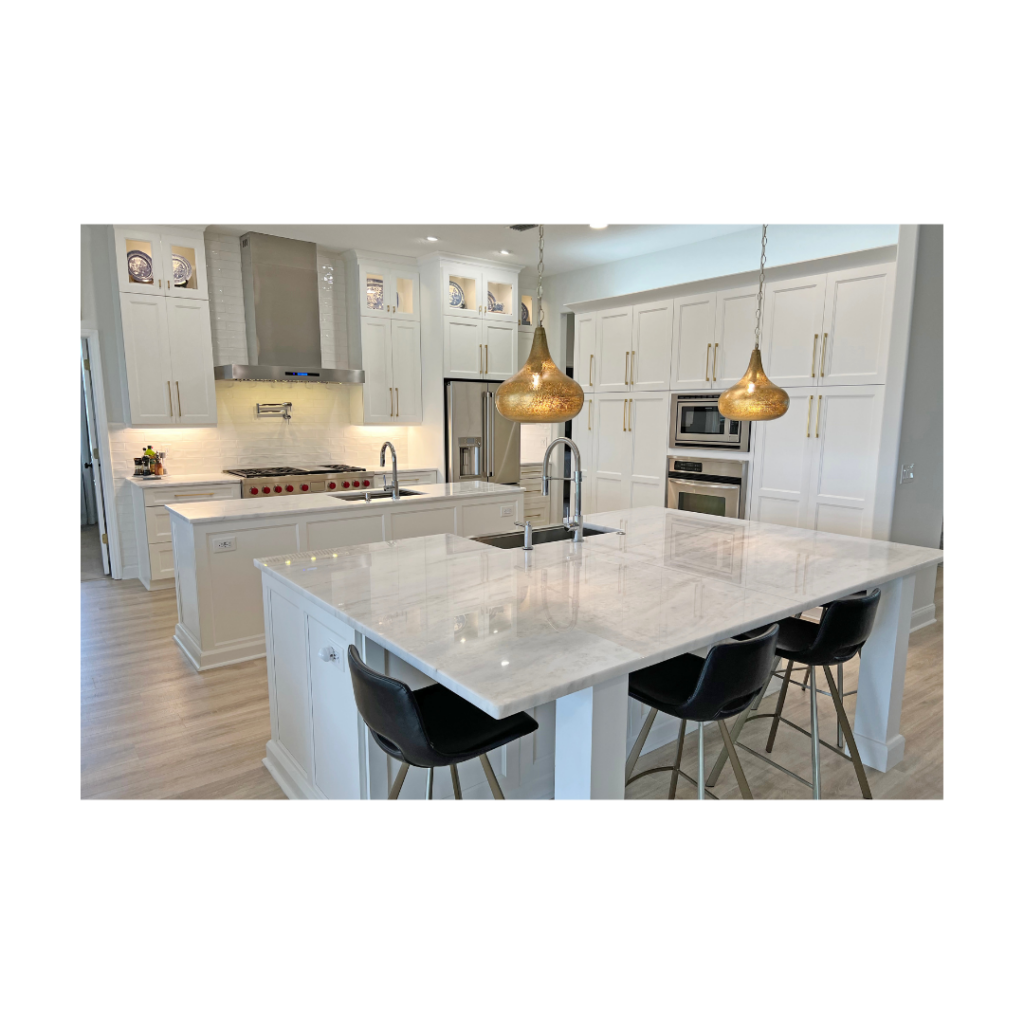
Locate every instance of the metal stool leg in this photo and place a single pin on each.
(736, 767)
(456, 785)
(430, 783)
(741, 720)
(815, 753)
(491, 778)
(700, 761)
(778, 709)
(396, 787)
(638, 746)
(839, 725)
(679, 757)
(844, 724)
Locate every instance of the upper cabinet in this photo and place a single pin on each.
(386, 290)
(628, 348)
(694, 339)
(650, 363)
(735, 316)
(151, 261)
(487, 293)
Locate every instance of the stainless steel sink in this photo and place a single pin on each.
(374, 495)
(543, 535)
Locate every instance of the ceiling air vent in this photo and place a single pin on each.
(522, 227)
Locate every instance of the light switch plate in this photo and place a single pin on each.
(906, 472)
(508, 510)
(223, 543)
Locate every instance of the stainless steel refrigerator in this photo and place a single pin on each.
(482, 444)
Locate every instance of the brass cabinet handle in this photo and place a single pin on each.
(487, 358)
(817, 419)
(824, 339)
(159, 282)
(624, 414)
(631, 414)
(398, 403)
(810, 402)
(591, 370)
(391, 402)
(632, 368)
(170, 400)
(707, 362)
(177, 387)
(625, 375)
(814, 354)
(714, 365)
(590, 410)
(481, 359)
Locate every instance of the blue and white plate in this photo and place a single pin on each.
(181, 270)
(455, 296)
(525, 314)
(493, 305)
(375, 293)
(140, 266)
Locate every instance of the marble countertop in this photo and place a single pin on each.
(150, 482)
(510, 630)
(257, 508)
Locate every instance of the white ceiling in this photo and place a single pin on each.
(566, 246)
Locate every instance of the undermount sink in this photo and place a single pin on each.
(543, 535)
(374, 495)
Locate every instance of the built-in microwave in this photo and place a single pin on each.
(697, 423)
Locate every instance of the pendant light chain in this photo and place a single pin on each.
(540, 280)
(760, 289)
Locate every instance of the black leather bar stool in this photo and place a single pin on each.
(843, 630)
(430, 728)
(703, 690)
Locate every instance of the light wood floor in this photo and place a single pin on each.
(154, 727)
(92, 558)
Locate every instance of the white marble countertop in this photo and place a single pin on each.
(170, 480)
(510, 630)
(257, 508)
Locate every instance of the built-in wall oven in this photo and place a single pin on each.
(697, 423)
(716, 487)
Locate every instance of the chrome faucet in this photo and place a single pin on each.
(576, 523)
(394, 469)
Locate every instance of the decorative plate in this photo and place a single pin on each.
(181, 269)
(493, 305)
(455, 295)
(140, 266)
(525, 314)
(375, 293)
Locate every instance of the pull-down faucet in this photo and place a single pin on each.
(394, 469)
(576, 523)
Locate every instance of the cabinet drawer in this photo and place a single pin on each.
(161, 561)
(158, 525)
(196, 492)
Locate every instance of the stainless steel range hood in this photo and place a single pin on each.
(282, 315)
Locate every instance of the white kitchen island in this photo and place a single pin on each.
(555, 632)
(220, 607)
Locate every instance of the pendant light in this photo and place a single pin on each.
(754, 396)
(539, 392)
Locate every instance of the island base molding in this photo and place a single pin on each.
(229, 654)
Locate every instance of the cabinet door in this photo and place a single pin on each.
(184, 263)
(845, 436)
(614, 343)
(405, 371)
(403, 294)
(585, 351)
(462, 292)
(191, 346)
(527, 305)
(650, 367)
(378, 391)
(694, 342)
(374, 296)
(499, 350)
(735, 318)
(858, 322)
(583, 435)
(612, 453)
(791, 343)
(782, 450)
(138, 255)
(648, 423)
(501, 295)
(147, 358)
(463, 348)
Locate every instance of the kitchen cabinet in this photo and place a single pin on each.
(614, 343)
(693, 342)
(628, 348)
(385, 289)
(735, 319)
(791, 345)
(480, 349)
(152, 261)
(585, 350)
(650, 364)
(583, 435)
(486, 293)
(816, 467)
(389, 352)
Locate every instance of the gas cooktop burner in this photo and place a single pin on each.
(251, 474)
(342, 468)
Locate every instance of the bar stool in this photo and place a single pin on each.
(430, 728)
(843, 630)
(703, 690)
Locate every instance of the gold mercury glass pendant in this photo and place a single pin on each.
(754, 396)
(540, 392)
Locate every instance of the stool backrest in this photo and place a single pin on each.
(390, 710)
(733, 675)
(845, 627)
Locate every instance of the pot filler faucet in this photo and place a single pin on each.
(576, 523)
(394, 469)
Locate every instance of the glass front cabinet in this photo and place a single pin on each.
(389, 291)
(480, 292)
(152, 262)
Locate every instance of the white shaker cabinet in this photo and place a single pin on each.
(650, 364)
(857, 325)
(791, 342)
(694, 341)
(614, 344)
(629, 440)
(191, 346)
(389, 352)
(479, 349)
(647, 427)
(152, 261)
(585, 351)
(385, 289)
(611, 453)
(735, 318)
(583, 435)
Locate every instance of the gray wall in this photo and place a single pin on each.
(99, 312)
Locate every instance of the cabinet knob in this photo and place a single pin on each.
(328, 654)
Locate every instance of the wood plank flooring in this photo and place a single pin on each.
(92, 557)
(153, 727)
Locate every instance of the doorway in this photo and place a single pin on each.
(95, 552)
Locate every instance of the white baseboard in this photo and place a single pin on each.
(230, 654)
(923, 616)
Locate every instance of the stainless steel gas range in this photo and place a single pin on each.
(282, 480)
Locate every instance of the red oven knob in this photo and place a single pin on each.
(345, 484)
(305, 487)
(266, 490)
(277, 488)
(289, 488)
(254, 490)
(355, 483)
(332, 485)
(366, 483)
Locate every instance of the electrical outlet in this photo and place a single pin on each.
(224, 544)
(508, 510)
(906, 472)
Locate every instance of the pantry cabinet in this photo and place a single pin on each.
(389, 352)
(650, 363)
(585, 350)
(614, 342)
(735, 318)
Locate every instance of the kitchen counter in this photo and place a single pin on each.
(183, 479)
(511, 631)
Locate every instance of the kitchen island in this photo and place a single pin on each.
(555, 632)
(220, 608)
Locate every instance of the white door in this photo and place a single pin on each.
(782, 450)
(191, 347)
(583, 435)
(734, 335)
(858, 321)
(94, 455)
(184, 263)
(378, 391)
(374, 297)
(844, 439)
(463, 348)
(694, 342)
(500, 350)
(462, 292)
(650, 366)
(147, 359)
(612, 453)
(648, 422)
(138, 256)
(501, 295)
(585, 350)
(405, 371)
(614, 343)
(791, 341)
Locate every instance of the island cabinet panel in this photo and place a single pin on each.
(422, 522)
(289, 689)
(334, 532)
(487, 517)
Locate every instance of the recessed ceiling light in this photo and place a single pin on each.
(431, 238)
(505, 252)
(598, 227)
